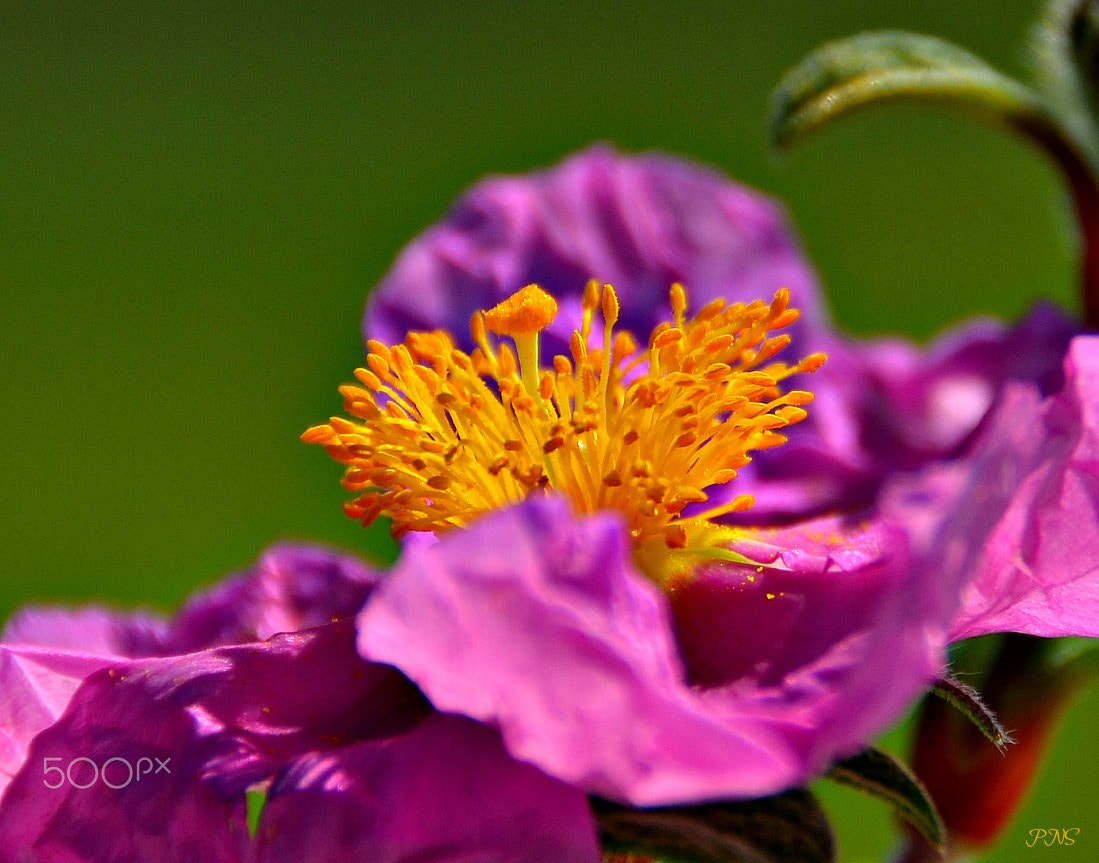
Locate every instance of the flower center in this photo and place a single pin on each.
(446, 436)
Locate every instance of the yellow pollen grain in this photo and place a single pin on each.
(527, 311)
(439, 436)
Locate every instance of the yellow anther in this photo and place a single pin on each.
(552, 444)
(811, 363)
(578, 349)
(527, 311)
(545, 386)
(678, 298)
(610, 306)
(378, 348)
(477, 328)
(321, 435)
(369, 378)
(591, 295)
(668, 337)
(792, 414)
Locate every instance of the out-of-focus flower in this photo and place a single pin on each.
(1013, 513)
(641, 224)
(790, 646)
(354, 760)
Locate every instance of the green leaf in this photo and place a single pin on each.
(841, 77)
(881, 775)
(966, 699)
(784, 829)
(1065, 58)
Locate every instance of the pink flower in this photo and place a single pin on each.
(739, 678)
(354, 761)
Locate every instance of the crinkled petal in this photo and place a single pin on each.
(638, 222)
(560, 643)
(35, 687)
(270, 710)
(221, 719)
(1016, 525)
(447, 790)
(291, 587)
(46, 652)
(60, 809)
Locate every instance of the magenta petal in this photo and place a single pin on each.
(169, 816)
(86, 630)
(46, 652)
(1021, 523)
(307, 692)
(446, 790)
(35, 687)
(559, 642)
(829, 631)
(291, 587)
(224, 719)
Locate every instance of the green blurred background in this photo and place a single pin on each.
(196, 197)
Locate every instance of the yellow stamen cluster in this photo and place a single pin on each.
(446, 436)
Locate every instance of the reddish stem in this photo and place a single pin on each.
(1085, 198)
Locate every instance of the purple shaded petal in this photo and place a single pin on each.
(45, 653)
(1018, 522)
(638, 222)
(574, 656)
(225, 719)
(165, 816)
(887, 405)
(447, 790)
(87, 630)
(290, 588)
(307, 692)
(35, 687)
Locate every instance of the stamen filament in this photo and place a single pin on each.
(445, 436)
